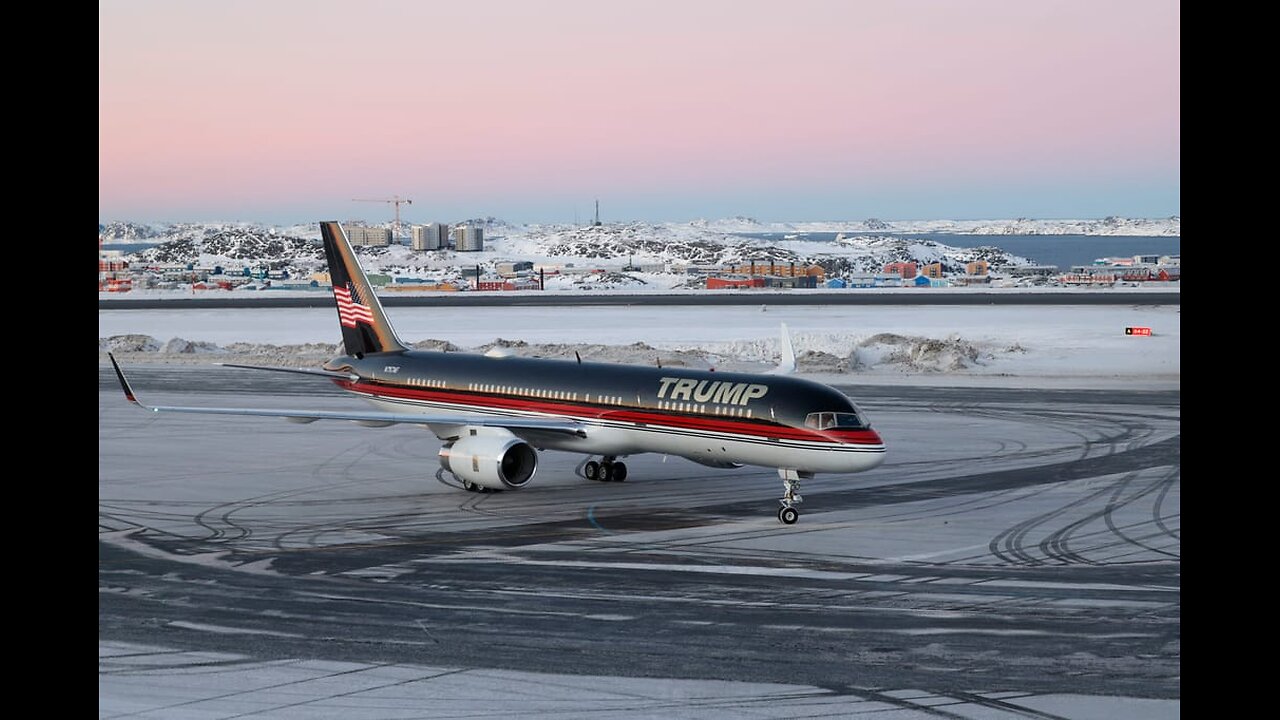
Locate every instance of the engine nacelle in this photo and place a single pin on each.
(491, 458)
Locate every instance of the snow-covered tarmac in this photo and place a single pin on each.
(1010, 541)
(142, 681)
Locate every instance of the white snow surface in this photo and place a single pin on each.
(150, 681)
(1068, 345)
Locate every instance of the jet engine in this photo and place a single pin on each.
(491, 458)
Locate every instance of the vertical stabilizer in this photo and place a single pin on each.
(364, 325)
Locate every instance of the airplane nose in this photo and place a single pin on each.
(871, 460)
(865, 436)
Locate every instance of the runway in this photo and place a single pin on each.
(1017, 555)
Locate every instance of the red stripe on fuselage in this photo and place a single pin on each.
(741, 426)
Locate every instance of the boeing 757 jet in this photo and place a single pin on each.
(494, 414)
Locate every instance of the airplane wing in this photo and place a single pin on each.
(444, 426)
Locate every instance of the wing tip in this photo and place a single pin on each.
(124, 382)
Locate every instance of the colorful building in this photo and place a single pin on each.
(904, 270)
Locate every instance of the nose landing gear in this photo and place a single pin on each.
(788, 514)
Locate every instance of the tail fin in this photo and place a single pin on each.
(364, 325)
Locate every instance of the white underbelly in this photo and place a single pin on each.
(617, 438)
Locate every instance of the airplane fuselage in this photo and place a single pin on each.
(715, 418)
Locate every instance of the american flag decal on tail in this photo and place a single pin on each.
(364, 326)
(350, 309)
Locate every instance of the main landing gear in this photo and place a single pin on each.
(788, 514)
(609, 469)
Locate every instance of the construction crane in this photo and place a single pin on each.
(394, 200)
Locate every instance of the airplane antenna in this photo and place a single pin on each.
(575, 354)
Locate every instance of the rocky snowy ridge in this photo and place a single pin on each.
(878, 353)
(665, 248)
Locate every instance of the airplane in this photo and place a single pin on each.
(494, 412)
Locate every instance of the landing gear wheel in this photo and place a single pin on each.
(619, 472)
(606, 472)
(470, 486)
(591, 470)
(787, 514)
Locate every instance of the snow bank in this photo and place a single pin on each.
(848, 354)
(1082, 345)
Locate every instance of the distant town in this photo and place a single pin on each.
(119, 273)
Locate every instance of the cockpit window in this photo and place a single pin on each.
(837, 421)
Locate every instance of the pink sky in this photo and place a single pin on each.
(282, 111)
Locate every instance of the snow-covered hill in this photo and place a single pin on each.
(129, 232)
(209, 245)
(1170, 226)
(634, 255)
(695, 244)
(629, 255)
